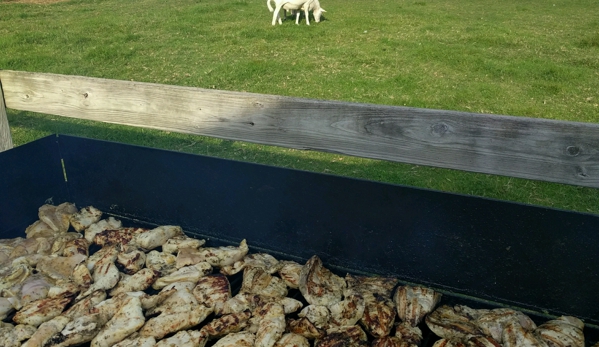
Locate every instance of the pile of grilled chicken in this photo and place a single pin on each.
(158, 287)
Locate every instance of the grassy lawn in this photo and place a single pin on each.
(531, 58)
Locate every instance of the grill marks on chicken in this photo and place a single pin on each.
(413, 303)
(226, 324)
(319, 285)
(213, 291)
(271, 324)
(258, 281)
(461, 325)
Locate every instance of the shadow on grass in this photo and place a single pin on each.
(28, 126)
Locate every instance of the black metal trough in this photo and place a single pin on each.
(480, 252)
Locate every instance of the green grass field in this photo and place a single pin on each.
(531, 58)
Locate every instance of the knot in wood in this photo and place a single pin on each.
(581, 172)
(439, 129)
(573, 150)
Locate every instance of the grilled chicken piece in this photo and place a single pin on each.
(379, 315)
(239, 303)
(305, 328)
(318, 285)
(57, 217)
(156, 237)
(6, 308)
(448, 323)
(12, 336)
(45, 331)
(271, 326)
(492, 322)
(61, 241)
(40, 229)
(105, 274)
(104, 254)
(450, 343)
(24, 331)
(413, 303)
(177, 243)
(230, 323)
(317, 315)
(142, 280)
(78, 331)
(131, 260)
(231, 270)
(191, 273)
(174, 320)
(128, 319)
(113, 236)
(377, 285)
(148, 341)
(292, 340)
(248, 301)
(258, 281)
(218, 257)
(40, 311)
(35, 287)
(263, 261)
(78, 245)
(13, 275)
(151, 301)
(348, 311)
(514, 335)
(240, 339)
(213, 291)
(81, 276)
(100, 226)
(290, 273)
(62, 289)
(85, 217)
(164, 263)
(84, 307)
(391, 341)
(343, 336)
(409, 334)
(482, 341)
(565, 331)
(189, 338)
(188, 256)
(290, 305)
(19, 246)
(59, 268)
(175, 300)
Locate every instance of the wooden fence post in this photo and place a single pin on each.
(5, 138)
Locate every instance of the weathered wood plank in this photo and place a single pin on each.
(564, 152)
(5, 137)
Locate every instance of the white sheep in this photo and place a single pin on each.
(271, 9)
(315, 4)
(305, 5)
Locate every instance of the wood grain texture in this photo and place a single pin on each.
(5, 137)
(555, 151)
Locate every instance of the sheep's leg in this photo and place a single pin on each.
(297, 15)
(307, 14)
(276, 15)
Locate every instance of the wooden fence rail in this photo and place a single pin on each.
(555, 151)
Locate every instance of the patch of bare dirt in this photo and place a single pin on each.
(39, 2)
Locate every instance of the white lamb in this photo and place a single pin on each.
(271, 9)
(305, 5)
(315, 4)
